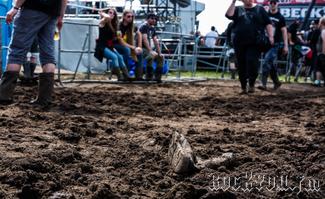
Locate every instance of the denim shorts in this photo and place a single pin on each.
(29, 24)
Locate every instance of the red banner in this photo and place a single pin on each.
(292, 9)
(292, 2)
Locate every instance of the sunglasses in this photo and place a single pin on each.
(129, 16)
(112, 13)
(273, 2)
(153, 18)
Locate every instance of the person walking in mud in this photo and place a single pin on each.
(280, 42)
(31, 19)
(248, 20)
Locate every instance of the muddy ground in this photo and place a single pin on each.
(111, 141)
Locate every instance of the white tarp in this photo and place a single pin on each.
(72, 38)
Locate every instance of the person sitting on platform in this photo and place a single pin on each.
(125, 43)
(148, 32)
(105, 44)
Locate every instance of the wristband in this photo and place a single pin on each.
(16, 8)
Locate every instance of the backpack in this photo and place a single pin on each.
(246, 29)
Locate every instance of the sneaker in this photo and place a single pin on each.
(277, 85)
(317, 83)
(263, 88)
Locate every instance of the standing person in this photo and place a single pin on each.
(33, 18)
(126, 45)
(105, 44)
(320, 47)
(248, 20)
(148, 32)
(211, 38)
(280, 41)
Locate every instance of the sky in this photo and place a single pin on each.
(214, 15)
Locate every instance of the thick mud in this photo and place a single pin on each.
(111, 141)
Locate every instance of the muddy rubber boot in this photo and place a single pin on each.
(116, 71)
(27, 70)
(149, 73)
(264, 82)
(125, 74)
(45, 90)
(139, 73)
(7, 86)
(158, 74)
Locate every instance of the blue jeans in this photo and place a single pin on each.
(117, 59)
(124, 51)
(269, 68)
(29, 24)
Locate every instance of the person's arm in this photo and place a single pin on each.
(285, 40)
(146, 42)
(157, 45)
(323, 38)
(231, 10)
(13, 11)
(139, 37)
(269, 30)
(62, 12)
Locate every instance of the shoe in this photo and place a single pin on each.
(243, 92)
(277, 85)
(317, 83)
(251, 89)
(263, 88)
(45, 90)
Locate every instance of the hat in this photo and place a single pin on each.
(273, 0)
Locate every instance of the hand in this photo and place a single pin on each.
(271, 41)
(138, 50)
(153, 53)
(59, 23)
(285, 50)
(10, 15)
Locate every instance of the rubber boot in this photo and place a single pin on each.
(116, 71)
(275, 79)
(158, 74)
(125, 74)
(7, 86)
(139, 73)
(149, 73)
(27, 70)
(45, 90)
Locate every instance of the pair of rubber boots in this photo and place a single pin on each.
(124, 76)
(45, 88)
(149, 74)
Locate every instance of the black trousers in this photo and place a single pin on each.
(248, 64)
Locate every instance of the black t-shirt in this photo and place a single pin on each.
(292, 29)
(247, 21)
(149, 30)
(50, 7)
(278, 22)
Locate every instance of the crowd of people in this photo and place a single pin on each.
(123, 44)
(242, 35)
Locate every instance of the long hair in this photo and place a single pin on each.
(113, 24)
(321, 22)
(130, 27)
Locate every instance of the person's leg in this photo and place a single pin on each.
(24, 32)
(252, 63)
(47, 59)
(159, 68)
(268, 63)
(125, 52)
(109, 54)
(149, 68)
(241, 62)
(122, 66)
(139, 67)
(274, 70)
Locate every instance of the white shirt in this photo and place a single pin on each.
(210, 39)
